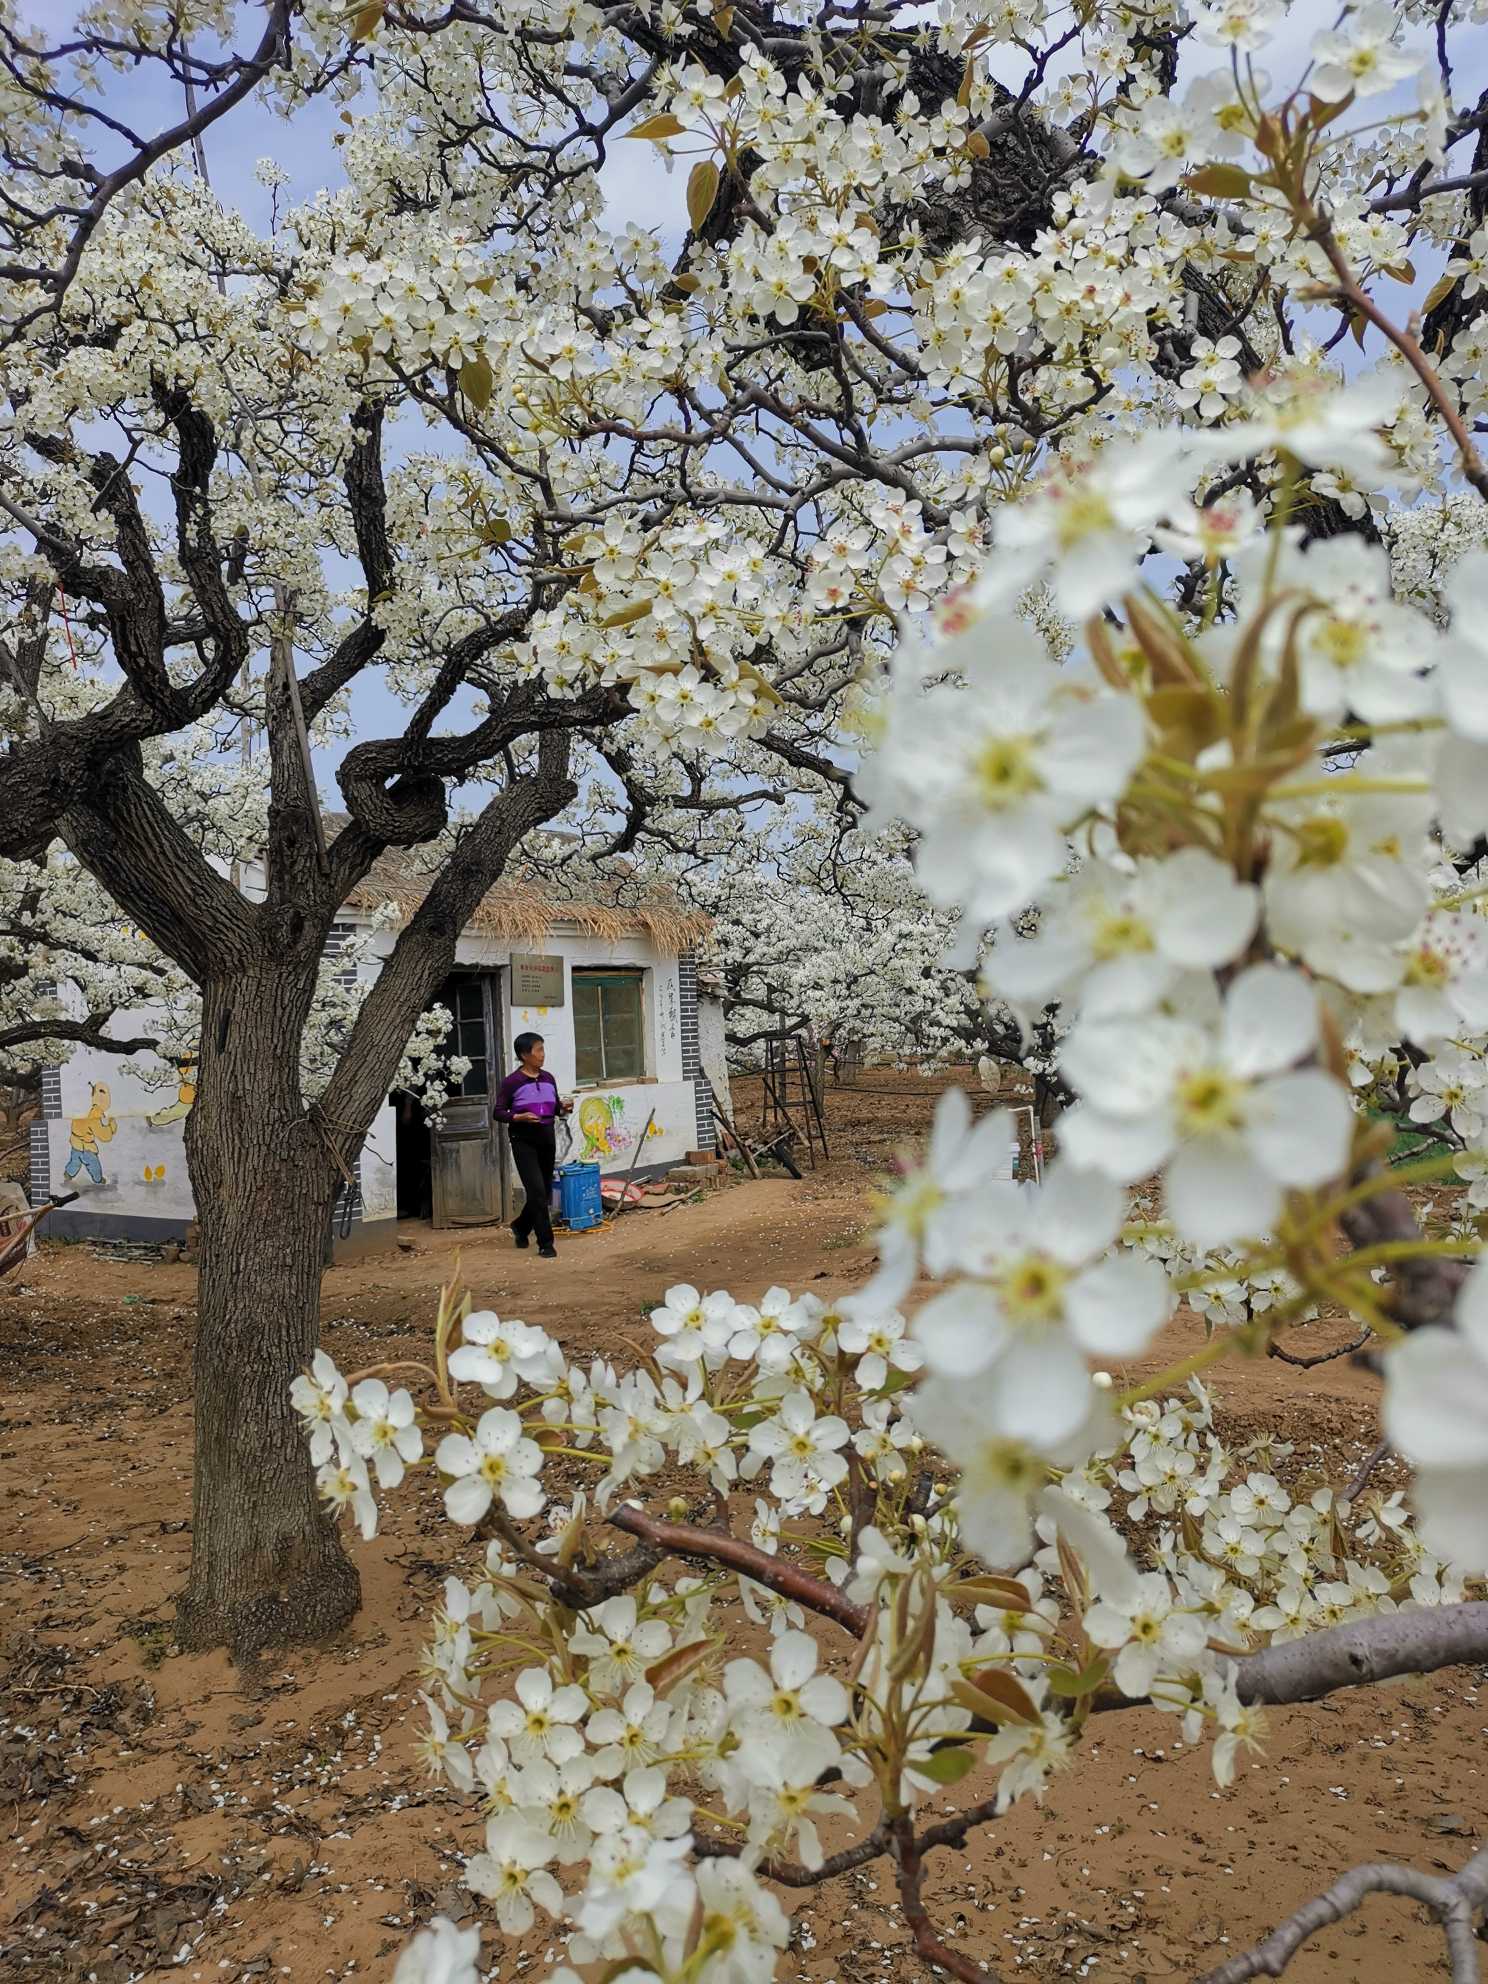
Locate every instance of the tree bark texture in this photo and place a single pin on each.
(267, 1566)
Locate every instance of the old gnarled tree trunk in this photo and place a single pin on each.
(267, 1565)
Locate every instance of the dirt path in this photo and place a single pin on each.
(160, 1814)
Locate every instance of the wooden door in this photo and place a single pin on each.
(467, 1153)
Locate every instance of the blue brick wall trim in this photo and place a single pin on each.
(692, 1060)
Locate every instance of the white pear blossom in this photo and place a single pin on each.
(1113, 941)
(1363, 57)
(512, 1873)
(803, 1451)
(495, 1354)
(1042, 1290)
(343, 1483)
(541, 1721)
(320, 1400)
(618, 1644)
(741, 1920)
(384, 1431)
(880, 1345)
(791, 1694)
(497, 1462)
(991, 775)
(1155, 1635)
(691, 1324)
(440, 1953)
(1436, 1414)
(1226, 1108)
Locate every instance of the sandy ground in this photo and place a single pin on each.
(161, 1813)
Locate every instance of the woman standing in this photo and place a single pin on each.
(528, 1103)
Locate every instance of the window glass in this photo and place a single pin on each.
(466, 1000)
(608, 1041)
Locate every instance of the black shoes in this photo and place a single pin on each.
(547, 1253)
(520, 1239)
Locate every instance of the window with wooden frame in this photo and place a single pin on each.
(465, 996)
(609, 1041)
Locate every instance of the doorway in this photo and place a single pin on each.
(454, 1172)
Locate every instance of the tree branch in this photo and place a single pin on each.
(425, 949)
(1425, 1286)
(271, 52)
(1375, 1649)
(716, 1546)
(907, 1860)
(1454, 1902)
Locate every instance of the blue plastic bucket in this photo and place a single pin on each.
(579, 1203)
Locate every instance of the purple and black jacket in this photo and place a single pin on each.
(524, 1094)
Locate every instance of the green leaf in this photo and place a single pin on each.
(663, 125)
(497, 531)
(702, 191)
(1220, 182)
(1066, 1682)
(477, 382)
(947, 1766)
(367, 20)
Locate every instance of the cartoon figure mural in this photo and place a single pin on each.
(88, 1132)
(602, 1127)
(185, 1096)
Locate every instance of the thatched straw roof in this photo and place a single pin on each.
(528, 908)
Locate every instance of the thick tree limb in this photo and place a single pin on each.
(1376, 1649)
(1455, 1903)
(122, 832)
(88, 1033)
(1424, 1287)
(425, 949)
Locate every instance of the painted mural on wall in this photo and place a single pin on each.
(174, 1112)
(603, 1131)
(116, 1139)
(87, 1134)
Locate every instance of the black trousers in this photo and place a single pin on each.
(535, 1152)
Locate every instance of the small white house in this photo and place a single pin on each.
(613, 989)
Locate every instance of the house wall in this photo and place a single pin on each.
(609, 1118)
(145, 1189)
(133, 1110)
(713, 1051)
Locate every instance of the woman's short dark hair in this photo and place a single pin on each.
(524, 1044)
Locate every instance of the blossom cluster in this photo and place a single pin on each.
(590, 1763)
